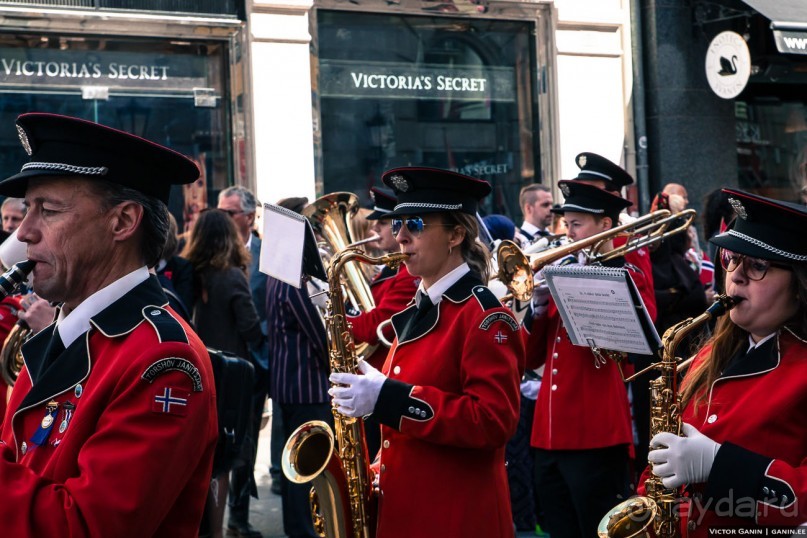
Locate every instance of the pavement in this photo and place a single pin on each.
(265, 513)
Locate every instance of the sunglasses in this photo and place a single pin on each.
(414, 225)
(754, 268)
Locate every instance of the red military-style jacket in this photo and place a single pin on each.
(757, 411)
(130, 448)
(392, 292)
(447, 409)
(582, 403)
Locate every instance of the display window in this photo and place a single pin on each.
(408, 90)
(168, 91)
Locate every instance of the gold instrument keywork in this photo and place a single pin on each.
(644, 231)
(343, 502)
(11, 356)
(659, 507)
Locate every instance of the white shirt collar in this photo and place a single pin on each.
(71, 326)
(752, 344)
(531, 228)
(441, 286)
(249, 241)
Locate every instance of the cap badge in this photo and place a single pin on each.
(738, 208)
(581, 161)
(565, 189)
(400, 182)
(24, 140)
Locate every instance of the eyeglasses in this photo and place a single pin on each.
(414, 225)
(232, 212)
(754, 268)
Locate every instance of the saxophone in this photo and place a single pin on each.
(336, 462)
(634, 517)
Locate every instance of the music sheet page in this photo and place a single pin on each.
(598, 309)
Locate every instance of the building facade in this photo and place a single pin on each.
(166, 70)
(508, 91)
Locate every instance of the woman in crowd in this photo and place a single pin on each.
(449, 393)
(744, 443)
(223, 312)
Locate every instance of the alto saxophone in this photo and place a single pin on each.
(336, 462)
(634, 517)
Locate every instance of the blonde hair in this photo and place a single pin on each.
(474, 253)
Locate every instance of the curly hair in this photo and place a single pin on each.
(215, 244)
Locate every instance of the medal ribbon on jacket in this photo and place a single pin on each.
(42, 433)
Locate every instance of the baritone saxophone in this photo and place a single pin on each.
(656, 513)
(343, 502)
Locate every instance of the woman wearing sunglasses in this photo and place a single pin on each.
(743, 452)
(448, 394)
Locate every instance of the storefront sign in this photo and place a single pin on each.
(339, 78)
(791, 41)
(728, 64)
(54, 68)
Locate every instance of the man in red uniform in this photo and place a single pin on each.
(111, 427)
(582, 428)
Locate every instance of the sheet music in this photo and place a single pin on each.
(283, 243)
(600, 306)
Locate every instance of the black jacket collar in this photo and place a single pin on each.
(73, 365)
(460, 292)
(759, 360)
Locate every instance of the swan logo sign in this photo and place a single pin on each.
(728, 64)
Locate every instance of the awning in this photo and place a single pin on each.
(788, 22)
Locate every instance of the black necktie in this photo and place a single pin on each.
(55, 348)
(424, 305)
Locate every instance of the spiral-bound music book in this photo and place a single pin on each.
(289, 248)
(601, 307)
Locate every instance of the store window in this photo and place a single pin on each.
(435, 91)
(171, 92)
(772, 148)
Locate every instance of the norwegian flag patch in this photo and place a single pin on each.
(171, 401)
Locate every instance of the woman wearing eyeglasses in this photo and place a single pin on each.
(743, 453)
(448, 394)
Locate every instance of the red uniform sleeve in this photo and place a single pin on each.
(390, 300)
(643, 278)
(133, 465)
(484, 412)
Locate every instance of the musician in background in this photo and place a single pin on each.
(298, 377)
(582, 428)
(448, 394)
(12, 212)
(743, 452)
(536, 204)
(114, 415)
(392, 291)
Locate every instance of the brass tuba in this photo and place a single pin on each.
(336, 462)
(331, 216)
(634, 517)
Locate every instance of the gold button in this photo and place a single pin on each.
(386, 444)
(383, 468)
(396, 370)
(24, 448)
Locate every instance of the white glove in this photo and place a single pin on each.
(530, 388)
(685, 460)
(359, 394)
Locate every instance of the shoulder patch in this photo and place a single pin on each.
(174, 364)
(504, 317)
(167, 327)
(486, 298)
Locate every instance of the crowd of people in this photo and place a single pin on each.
(478, 422)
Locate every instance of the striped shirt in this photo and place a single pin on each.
(298, 358)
